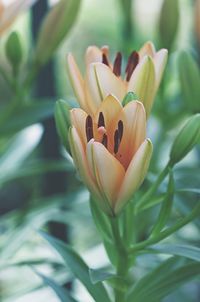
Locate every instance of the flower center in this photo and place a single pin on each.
(132, 62)
(101, 134)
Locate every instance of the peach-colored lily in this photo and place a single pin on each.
(143, 74)
(110, 151)
(9, 11)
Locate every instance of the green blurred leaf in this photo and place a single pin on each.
(162, 281)
(99, 275)
(187, 251)
(189, 77)
(78, 267)
(26, 116)
(61, 292)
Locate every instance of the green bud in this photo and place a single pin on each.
(62, 119)
(189, 76)
(186, 139)
(168, 22)
(55, 27)
(130, 96)
(14, 51)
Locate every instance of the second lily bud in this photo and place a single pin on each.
(142, 76)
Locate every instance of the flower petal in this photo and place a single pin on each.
(134, 119)
(78, 120)
(103, 82)
(111, 108)
(143, 82)
(76, 80)
(148, 49)
(80, 160)
(160, 60)
(107, 170)
(93, 54)
(135, 174)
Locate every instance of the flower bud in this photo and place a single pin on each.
(190, 81)
(55, 27)
(186, 139)
(168, 23)
(14, 51)
(62, 119)
(130, 96)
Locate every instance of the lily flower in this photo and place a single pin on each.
(9, 10)
(111, 151)
(143, 74)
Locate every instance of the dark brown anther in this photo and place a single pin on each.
(116, 141)
(117, 64)
(101, 122)
(89, 128)
(105, 140)
(105, 59)
(120, 129)
(133, 60)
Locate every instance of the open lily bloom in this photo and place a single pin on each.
(9, 9)
(110, 151)
(142, 76)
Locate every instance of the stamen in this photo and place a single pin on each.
(105, 59)
(120, 129)
(133, 60)
(89, 128)
(101, 121)
(117, 64)
(116, 141)
(105, 140)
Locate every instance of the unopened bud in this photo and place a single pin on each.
(62, 119)
(14, 51)
(186, 139)
(168, 23)
(55, 27)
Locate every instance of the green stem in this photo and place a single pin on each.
(166, 233)
(123, 258)
(148, 195)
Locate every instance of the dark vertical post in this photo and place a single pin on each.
(54, 182)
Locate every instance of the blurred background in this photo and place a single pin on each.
(39, 187)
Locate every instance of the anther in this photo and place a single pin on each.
(120, 129)
(117, 64)
(105, 59)
(105, 140)
(133, 60)
(89, 128)
(116, 141)
(101, 121)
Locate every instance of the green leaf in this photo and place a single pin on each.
(78, 267)
(61, 292)
(162, 281)
(26, 116)
(187, 251)
(189, 190)
(99, 275)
